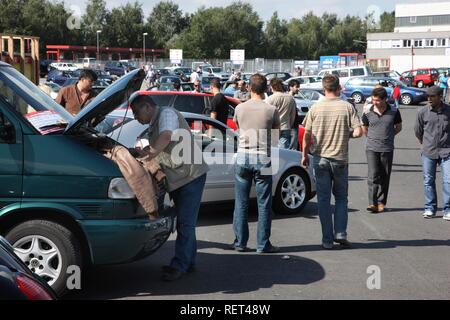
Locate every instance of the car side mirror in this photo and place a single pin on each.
(7, 131)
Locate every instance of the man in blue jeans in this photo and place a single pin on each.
(328, 124)
(255, 120)
(185, 178)
(432, 128)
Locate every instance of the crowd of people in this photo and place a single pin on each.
(329, 126)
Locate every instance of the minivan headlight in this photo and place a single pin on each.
(119, 189)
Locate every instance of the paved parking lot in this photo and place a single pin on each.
(412, 254)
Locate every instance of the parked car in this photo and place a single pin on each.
(44, 67)
(50, 88)
(63, 66)
(346, 73)
(280, 75)
(293, 185)
(117, 68)
(184, 86)
(169, 79)
(102, 75)
(443, 70)
(313, 94)
(303, 104)
(389, 74)
(209, 71)
(421, 77)
(206, 83)
(90, 63)
(179, 70)
(60, 77)
(360, 89)
(61, 198)
(307, 81)
(17, 282)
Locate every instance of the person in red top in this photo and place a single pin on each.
(396, 95)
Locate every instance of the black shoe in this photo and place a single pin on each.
(270, 249)
(171, 274)
(169, 268)
(238, 249)
(344, 243)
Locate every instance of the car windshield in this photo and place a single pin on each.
(36, 107)
(216, 69)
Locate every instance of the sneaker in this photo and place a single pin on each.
(447, 216)
(428, 214)
(344, 243)
(238, 249)
(270, 249)
(327, 246)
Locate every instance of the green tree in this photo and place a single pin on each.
(125, 26)
(94, 19)
(165, 21)
(275, 36)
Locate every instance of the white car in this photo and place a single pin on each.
(64, 66)
(293, 185)
(309, 82)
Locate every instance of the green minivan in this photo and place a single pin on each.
(64, 204)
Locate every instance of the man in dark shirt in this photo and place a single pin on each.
(432, 128)
(76, 97)
(380, 124)
(219, 104)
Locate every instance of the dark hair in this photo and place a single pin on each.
(379, 93)
(215, 83)
(330, 83)
(258, 83)
(88, 74)
(176, 85)
(294, 83)
(142, 100)
(277, 84)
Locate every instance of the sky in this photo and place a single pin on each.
(287, 9)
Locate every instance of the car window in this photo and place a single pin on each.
(315, 79)
(356, 81)
(370, 82)
(163, 100)
(357, 72)
(188, 103)
(215, 137)
(5, 123)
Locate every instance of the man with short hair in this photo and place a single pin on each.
(185, 178)
(432, 128)
(242, 94)
(294, 89)
(77, 96)
(197, 87)
(255, 120)
(443, 83)
(380, 124)
(287, 108)
(329, 123)
(219, 104)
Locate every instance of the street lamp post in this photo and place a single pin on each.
(98, 45)
(143, 57)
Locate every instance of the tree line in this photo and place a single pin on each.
(207, 33)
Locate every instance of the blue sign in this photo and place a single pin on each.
(329, 61)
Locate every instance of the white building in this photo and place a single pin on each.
(421, 39)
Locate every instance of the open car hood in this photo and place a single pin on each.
(108, 100)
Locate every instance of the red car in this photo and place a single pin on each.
(421, 77)
(200, 103)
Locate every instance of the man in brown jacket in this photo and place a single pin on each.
(76, 97)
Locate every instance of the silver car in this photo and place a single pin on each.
(293, 185)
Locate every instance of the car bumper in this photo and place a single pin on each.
(127, 240)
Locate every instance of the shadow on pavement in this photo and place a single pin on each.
(228, 272)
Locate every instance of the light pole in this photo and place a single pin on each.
(98, 45)
(143, 57)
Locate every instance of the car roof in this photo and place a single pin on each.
(188, 93)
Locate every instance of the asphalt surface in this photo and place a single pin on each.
(412, 254)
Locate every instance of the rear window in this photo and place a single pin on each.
(162, 100)
(193, 104)
(357, 72)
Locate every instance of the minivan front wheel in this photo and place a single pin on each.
(48, 249)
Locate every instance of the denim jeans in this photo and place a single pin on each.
(429, 182)
(246, 171)
(285, 139)
(332, 176)
(294, 139)
(187, 203)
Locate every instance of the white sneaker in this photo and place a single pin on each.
(447, 216)
(428, 214)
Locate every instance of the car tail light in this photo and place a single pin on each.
(31, 288)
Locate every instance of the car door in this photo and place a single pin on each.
(219, 145)
(11, 156)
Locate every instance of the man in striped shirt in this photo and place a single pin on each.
(330, 123)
